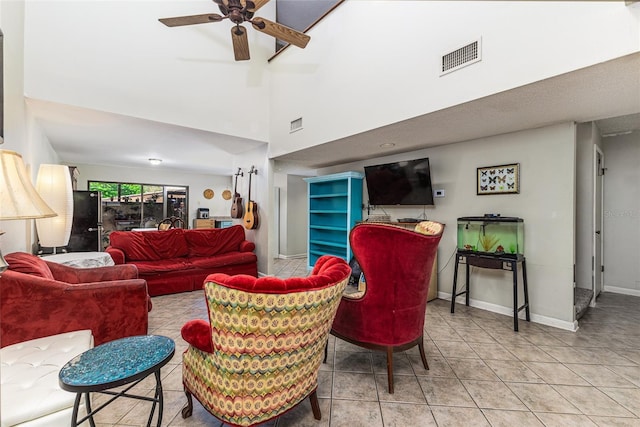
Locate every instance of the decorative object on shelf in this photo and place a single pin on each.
(251, 219)
(54, 186)
(238, 12)
(236, 205)
(18, 198)
(208, 193)
(502, 179)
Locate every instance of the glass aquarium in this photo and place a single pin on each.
(491, 235)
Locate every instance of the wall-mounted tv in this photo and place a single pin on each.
(400, 183)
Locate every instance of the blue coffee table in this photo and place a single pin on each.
(114, 364)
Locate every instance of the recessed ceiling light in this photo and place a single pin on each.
(155, 162)
(387, 145)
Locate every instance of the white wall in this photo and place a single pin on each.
(21, 133)
(197, 183)
(622, 214)
(374, 63)
(546, 203)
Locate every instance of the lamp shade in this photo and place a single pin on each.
(18, 198)
(54, 186)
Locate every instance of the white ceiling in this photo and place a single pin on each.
(607, 93)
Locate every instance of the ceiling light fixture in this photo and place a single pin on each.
(155, 162)
(387, 145)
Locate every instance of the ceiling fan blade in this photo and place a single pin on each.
(281, 32)
(257, 5)
(240, 43)
(191, 20)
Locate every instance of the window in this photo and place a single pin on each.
(128, 206)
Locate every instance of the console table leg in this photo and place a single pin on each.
(455, 281)
(514, 267)
(467, 284)
(526, 290)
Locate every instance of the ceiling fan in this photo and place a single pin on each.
(239, 11)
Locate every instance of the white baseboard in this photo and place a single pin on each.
(624, 291)
(508, 311)
(298, 256)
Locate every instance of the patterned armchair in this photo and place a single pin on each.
(396, 263)
(259, 356)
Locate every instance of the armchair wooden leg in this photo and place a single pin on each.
(390, 369)
(187, 411)
(315, 406)
(422, 354)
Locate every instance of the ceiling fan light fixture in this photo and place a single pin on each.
(155, 162)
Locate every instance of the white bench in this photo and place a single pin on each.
(30, 394)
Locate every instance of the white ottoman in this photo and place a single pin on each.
(30, 394)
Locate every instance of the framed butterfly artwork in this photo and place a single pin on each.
(502, 179)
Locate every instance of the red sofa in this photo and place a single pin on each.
(40, 298)
(178, 260)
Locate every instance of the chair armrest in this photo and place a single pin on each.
(247, 246)
(33, 307)
(116, 254)
(67, 274)
(197, 333)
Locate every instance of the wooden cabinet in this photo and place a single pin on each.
(335, 205)
(204, 223)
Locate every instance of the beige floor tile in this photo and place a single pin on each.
(459, 349)
(599, 375)
(472, 369)
(402, 415)
(354, 386)
(615, 422)
(592, 401)
(530, 353)
(406, 389)
(565, 420)
(347, 413)
(438, 367)
(556, 373)
(445, 392)
(542, 398)
(627, 397)
(493, 395)
(502, 418)
(491, 351)
(456, 417)
(513, 371)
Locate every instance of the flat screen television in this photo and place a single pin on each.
(400, 183)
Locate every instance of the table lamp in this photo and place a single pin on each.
(18, 198)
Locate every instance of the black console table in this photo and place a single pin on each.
(507, 262)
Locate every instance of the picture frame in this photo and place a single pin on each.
(501, 179)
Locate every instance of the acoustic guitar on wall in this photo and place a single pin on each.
(236, 204)
(251, 219)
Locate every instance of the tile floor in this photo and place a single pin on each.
(482, 372)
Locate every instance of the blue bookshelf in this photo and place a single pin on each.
(335, 205)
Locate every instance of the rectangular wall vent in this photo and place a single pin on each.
(295, 125)
(462, 57)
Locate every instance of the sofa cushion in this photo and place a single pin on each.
(209, 242)
(231, 258)
(162, 266)
(150, 245)
(23, 262)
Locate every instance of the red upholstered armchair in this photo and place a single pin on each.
(396, 264)
(259, 354)
(40, 298)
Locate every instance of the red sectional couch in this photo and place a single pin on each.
(39, 298)
(178, 260)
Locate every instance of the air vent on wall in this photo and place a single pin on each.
(296, 125)
(462, 57)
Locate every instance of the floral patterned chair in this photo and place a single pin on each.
(259, 354)
(389, 315)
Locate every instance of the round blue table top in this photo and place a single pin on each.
(116, 363)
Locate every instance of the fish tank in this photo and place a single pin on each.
(491, 235)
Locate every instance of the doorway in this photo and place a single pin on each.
(598, 229)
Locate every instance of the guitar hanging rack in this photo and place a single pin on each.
(251, 219)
